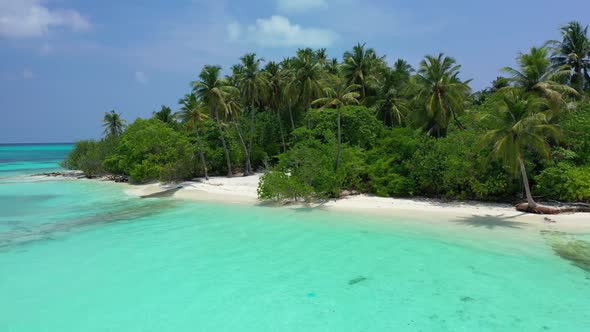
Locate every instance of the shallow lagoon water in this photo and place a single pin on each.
(85, 256)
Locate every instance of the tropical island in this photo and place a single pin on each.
(319, 128)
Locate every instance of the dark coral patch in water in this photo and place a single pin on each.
(576, 251)
(356, 280)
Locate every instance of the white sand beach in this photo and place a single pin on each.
(242, 190)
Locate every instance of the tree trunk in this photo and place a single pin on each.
(222, 138)
(291, 116)
(251, 138)
(529, 197)
(247, 163)
(577, 80)
(281, 130)
(201, 154)
(339, 153)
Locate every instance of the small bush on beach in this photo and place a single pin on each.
(88, 156)
(150, 150)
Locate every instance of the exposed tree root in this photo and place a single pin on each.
(544, 209)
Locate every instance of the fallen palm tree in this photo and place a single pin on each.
(548, 209)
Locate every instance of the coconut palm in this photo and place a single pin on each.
(441, 95)
(359, 66)
(192, 113)
(165, 115)
(307, 77)
(522, 122)
(233, 111)
(391, 104)
(253, 85)
(573, 51)
(289, 90)
(275, 96)
(211, 89)
(337, 95)
(113, 124)
(537, 75)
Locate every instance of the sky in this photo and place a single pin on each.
(64, 63)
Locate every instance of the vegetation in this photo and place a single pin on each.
(318, 126)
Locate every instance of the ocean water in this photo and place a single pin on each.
(79, 255)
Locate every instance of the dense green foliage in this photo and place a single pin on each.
(149, 149)
(318, 126)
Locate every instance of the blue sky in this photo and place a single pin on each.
(65, 62)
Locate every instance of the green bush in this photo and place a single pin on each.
(88, 156)
(564, 182)
(279, 186)
(308, 171)
(150, 149)
(388, 172)
(576, 132)
(360, 127)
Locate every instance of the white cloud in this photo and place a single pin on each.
(31, 18)
(27, 74)
(234, 31)
(288, 6)
(141, 77)
(277, 31)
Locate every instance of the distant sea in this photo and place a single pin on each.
(32, 158)
(83, 255)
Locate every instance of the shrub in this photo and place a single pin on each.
(88, 156)
(564, 182)
(307, 171)
(149, 149)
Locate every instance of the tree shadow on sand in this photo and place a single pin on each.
(492, 222)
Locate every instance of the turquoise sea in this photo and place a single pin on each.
(80, 255)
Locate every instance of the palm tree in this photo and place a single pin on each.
(522, 122)
(359, 65)
(211, 89)
(253, 85)
(307, 78)
(232, 114)
(441, 94)
(337, 96)
(192, 114)
(290, 86)
(536, 75)
(113, 124)
(573, 51)
(391, 104)
(165, 115)
(275, 95)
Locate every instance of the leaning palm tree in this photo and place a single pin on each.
(211, 89)
(253, 85)
(441, 94)
(537, 75)
(573, 52)
(359, 65)
(522, 122)
(339, 94)
(233, 111)
(113, 124)
(192, 114)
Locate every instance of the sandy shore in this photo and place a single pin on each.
(243, 190)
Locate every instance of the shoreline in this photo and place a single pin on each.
(243, 190)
